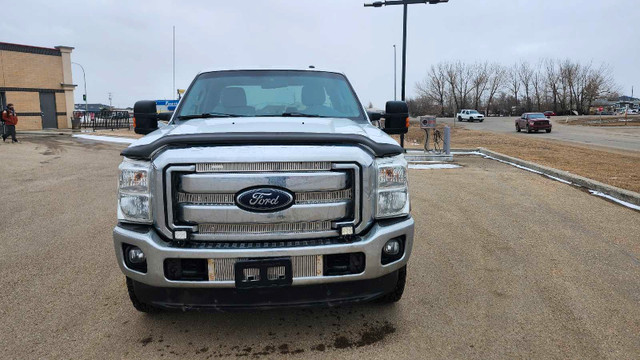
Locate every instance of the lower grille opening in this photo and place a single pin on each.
(186, 269)
(343, 264)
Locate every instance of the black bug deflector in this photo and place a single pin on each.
(147, 151)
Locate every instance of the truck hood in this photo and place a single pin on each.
(268, 125)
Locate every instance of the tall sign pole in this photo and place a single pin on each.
(405, 4)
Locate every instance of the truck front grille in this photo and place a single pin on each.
(200, 199)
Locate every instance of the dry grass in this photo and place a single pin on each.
(617, 168)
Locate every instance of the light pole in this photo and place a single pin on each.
(84, 78)
(405, 4)
(395, 73)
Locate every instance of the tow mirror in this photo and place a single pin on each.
(374, 115)
(165, 116)
(145, 117)
(396, 117)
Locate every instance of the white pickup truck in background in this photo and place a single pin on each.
(470, 115)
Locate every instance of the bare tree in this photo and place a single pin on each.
(525, 74)
(434, 86)
(514, 83)
(497, 77)
(538, 83)
(480, 82)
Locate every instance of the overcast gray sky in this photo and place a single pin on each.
(125, 46)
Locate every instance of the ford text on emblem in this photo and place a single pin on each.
(264, 199)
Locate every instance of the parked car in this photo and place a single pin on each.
(470, 115)
(549, 113)
(231, 206)
(533, 122)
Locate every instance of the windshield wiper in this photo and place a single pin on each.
(297, 114)
(207, 115)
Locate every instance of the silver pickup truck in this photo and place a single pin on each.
(267, 188)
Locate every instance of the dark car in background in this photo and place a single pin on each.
(549, 113)
(533, 122)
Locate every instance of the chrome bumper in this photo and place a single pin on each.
(157, 250)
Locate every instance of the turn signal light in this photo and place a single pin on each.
(407, 123)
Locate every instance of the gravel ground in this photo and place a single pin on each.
(506, 264)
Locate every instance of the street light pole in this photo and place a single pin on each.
(84, 78)
(395, 74)
(405, 4)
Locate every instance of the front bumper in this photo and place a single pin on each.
(215, 299)
(157, 250)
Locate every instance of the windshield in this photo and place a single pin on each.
(271, 93)
(537, 116)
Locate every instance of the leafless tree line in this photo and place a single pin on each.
(559, 85)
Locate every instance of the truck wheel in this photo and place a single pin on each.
(548, 131)
(137, 304)
(528, 130)
(460, 118)
(481, 120)
(470, 119)
(396, 294)
(517, 128)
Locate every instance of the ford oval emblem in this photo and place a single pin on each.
(264, 199)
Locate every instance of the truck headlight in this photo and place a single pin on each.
(392, 188)
(134, 192)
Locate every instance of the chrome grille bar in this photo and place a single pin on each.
(264, 166)
(264, 228)
(205, 198)
(223, 269)
(301, 198)
(323, 196)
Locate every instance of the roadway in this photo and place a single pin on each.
(506, 264)
(619, 137)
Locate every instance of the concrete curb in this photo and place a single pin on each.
(618, 193)
(46, 132)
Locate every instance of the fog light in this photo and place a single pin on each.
(346, 230)
(392, 247)
(136, 256)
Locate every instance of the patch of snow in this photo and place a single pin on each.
(467, 153)
(113, 139)
(621, 202)
(433, 166)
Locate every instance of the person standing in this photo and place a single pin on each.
(10, 120)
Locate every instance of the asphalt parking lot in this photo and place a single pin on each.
(506, 264)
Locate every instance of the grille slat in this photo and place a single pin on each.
(301, 198)
(264, 166)
(264, 228)
(223, 269)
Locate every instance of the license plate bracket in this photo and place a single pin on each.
(261, 273)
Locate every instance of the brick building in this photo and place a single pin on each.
(38, 82)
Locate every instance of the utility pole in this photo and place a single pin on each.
(110, 97)
(405, 4)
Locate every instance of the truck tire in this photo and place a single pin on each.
(460, 118)
(517, 128)
(528, 130)
(548, 131)
(137, 304)
(397, 292)
(470, 119)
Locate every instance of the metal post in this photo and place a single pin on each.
(174, 60)
(395, 74)
(404, 62)
(447, 140)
